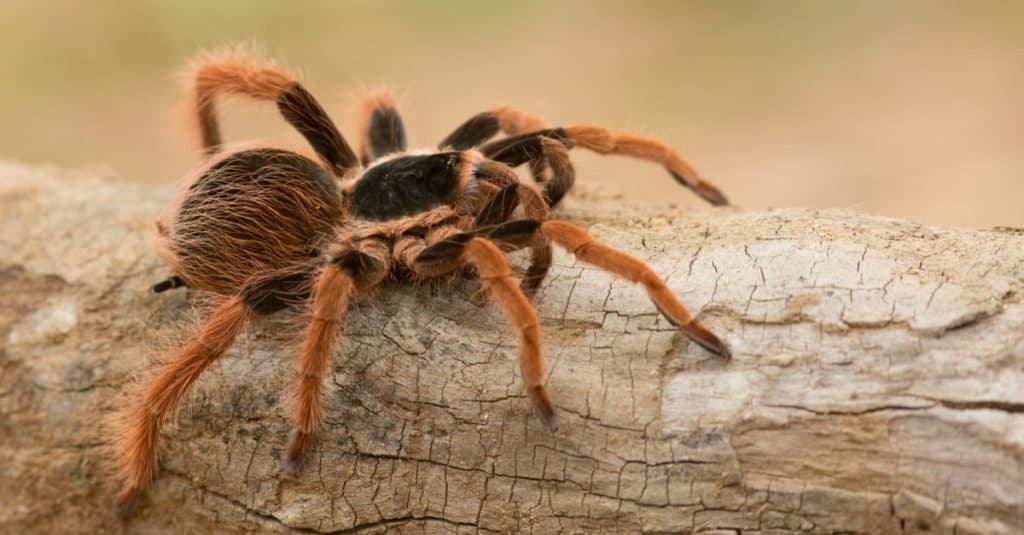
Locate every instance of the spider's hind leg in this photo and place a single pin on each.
(138, 444)
(219, 76)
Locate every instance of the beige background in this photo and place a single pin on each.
(909, 109)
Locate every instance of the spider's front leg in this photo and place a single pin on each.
(493, 269)
(584, 247)
(540, 151)
(576, 240)
(360, 267)
(603, 141)
(485, 125)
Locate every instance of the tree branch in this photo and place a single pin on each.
(876, 384)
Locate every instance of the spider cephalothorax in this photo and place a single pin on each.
(264, 229)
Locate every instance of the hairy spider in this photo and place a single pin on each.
(265, 229)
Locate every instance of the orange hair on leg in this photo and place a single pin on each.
(330, 301)
(137, 447)
(493, 268)
(602, 141)
(581, 244)
(513, 121)
(230, 74)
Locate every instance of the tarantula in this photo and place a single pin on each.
(266, 229)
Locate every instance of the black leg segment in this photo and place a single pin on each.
(517, 150)
(304, 113)
(544, 147)
(272, 291)
(476, 130)
(386, 133)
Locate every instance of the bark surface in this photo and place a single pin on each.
(877, 384)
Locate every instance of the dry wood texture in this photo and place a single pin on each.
(877, 384)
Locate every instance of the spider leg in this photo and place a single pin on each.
(477, 248)
(493, 268)
(602, 141)
(220, 75)
(513, 193)
(584, 247)
(304, 113)
(501, 175)
(409, 248)
(499, 206)
(483, 126)
(541, 150)
(263, 81)
(382, 129)
(475, 131)
(137, 447)
(520, 233)
(347, 271)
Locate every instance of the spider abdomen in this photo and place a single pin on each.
(254, 211)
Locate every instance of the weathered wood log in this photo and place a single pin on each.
(877, 384)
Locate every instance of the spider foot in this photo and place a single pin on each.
(297, 446)
(700, 334)
(705, 190)
(542, 403)
(706, 339)
(126, 501)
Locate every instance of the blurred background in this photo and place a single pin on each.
(911, 108)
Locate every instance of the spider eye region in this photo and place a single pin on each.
(406, 185)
